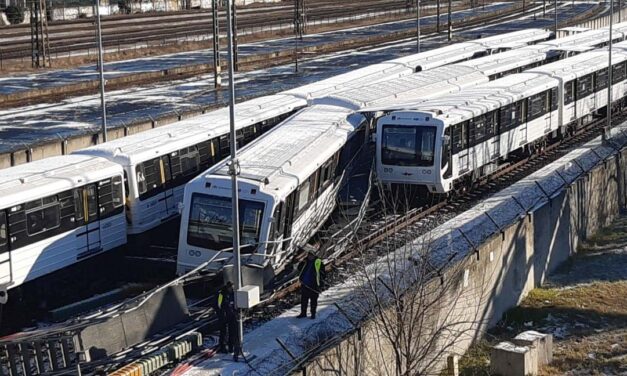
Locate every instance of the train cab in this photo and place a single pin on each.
(412, 146)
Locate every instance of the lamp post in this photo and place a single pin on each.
(450, 21)
(101, 72)
(418, 23)
(555, 13)
(609, 76)
(234, 171)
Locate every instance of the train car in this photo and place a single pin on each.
(410, 90)
(57, 212)
(158, 163)
(288, 183)
(449, 142)
(427, 60)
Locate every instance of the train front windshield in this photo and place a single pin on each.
(210, 222)
(408, 145)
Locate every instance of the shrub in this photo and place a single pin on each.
(124, 6)
(15, 14)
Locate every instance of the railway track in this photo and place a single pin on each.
(374, 238)
(119, 31)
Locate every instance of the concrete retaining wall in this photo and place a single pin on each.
(508, 246)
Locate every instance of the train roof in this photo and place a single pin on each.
(407, 65)
(581, 65)
(150, 144)
(418, 86)
(469, 103)
(283, 158)
(52, 175)
(466, 50)
(590, 37)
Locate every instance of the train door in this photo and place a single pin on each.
(5, 255)
(170, 207)
(86, 218)
(289, 220)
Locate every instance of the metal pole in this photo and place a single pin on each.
(438, 15)
(418, 23)
(233, 18)
(103, 103)
(555, 18)
(233, 171)
(609, 76)
(450, 22)
(217, 82)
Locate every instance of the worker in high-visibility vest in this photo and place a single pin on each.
(227, 318)
(311, 282)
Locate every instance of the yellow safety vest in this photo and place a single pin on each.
(220, 299)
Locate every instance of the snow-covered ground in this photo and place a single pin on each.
(54, 78)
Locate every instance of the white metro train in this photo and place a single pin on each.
(451, 141)
(56, 212)
(288, 183)
(155, 164)
(158, 162)
(272, 179)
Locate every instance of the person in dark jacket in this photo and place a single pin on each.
(227, 319)
(311, 282)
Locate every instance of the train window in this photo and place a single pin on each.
(507, 117)
(460, 141)
(126, 191)
(184, 163)
(239, 138)
(225, 148)
(44, 216)
(569, 92)
(326, 174)
(210, 219)
(491, 123)
(313, 184)
(446, 148)
(618, 73)
(477, 130)
(584, 86)
(110, 198)
(554, 99)
(207, 153)
(66, 202)
(92, 202)
(79, 206)
(408, 146)
(601, 80)
(152, 176)
(250, 133)
(303, 196)
(4, 233)
(537, 106)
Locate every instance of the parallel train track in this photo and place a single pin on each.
(78, 35)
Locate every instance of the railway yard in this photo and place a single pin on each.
(440, 170)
